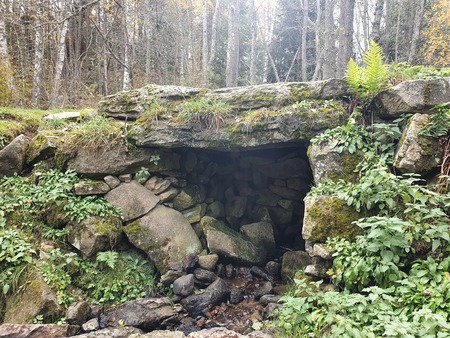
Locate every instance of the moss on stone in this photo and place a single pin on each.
(331, 217)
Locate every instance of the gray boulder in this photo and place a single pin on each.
(94, 234)
(328, 163)
(143, 313)
(87, 188)
(214, 294)
(417, 153)
(188, 197)
(184, 286)
(261, 234)
(36, 299)
(77, 313)
(37, 331)
(112, 332)
(160, 334)
(132, 199)
(40, 148)
(228, 243)
(292, 262)
(12, 157)
(165, 235)
(415, 96)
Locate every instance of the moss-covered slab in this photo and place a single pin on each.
(417, 153)
(328, 217)
(416, 96)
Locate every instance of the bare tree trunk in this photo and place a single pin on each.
(375, 35)
(233, 44)
(418, 18)
(213, 47)
(347, 10)
(205, 43)
(60, 59)
(5, 63)
(329, 62)
(38, 65)
(127, 75)
(254, 27)
(304, 43)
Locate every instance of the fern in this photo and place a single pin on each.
(368, 81)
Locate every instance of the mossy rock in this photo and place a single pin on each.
(328, 217)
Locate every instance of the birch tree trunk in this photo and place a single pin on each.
(375, 34)
(60, 59)
(304, 43)
(205, 58)
(329, 62)
(5, 63)
(418, 19)
(253, 27)
(232, 67)
(38, 63)
(127, 75)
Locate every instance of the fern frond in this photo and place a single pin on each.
(354, 77)
(376, 73)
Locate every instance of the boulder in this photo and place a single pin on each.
(188, 197)
(87, 188)
(168, 195)
(184, 286)
(68, 115)
(40, 148)
(94, 234)
(36, 299)
(77, 313)
(261, 234)
(112, 181)
(214, 294)
(286, 169)
(416, 96)
(132, 199)
(328, 163)
(195, 214)
(216, 209)
(165, 235)
(236, 206)
(204, 276)
(157, 185)
(37, 331)
(115, 159)
(328, 216)
(221, 332)
(12, 157)
(208, 262)
(292, 262)
(112, 332)
(321, 250)
(417, 153)
(319, 268)
(230, 244)
(143, 313)
(160, 334)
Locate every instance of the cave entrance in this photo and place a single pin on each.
(243, 187)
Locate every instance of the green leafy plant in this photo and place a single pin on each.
(108, 257)
(440, 122)
(368, 81)
(142, 175)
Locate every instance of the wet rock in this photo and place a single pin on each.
(78, 313)
(36, 331)
(110, 332)
(268, 198)
(165, 235)
(36, 299)
(157, 185)
(273, 268)
(412, 97)
(87, 188)
(125, 178)
(170, 276)
(292, 262)
(94, 234)
(417, 153)
(260, 273)
(143, 313)
(208, 262)
(319, 268)
(230, 244)
(132, 199)
(184, 286)
(236, 296)
(284, 192)
(261, 234)
(91, 325)
(160, 334)
(214, 294)
(261, 289)
(267, 299)
(230, 271)
(111, 181)
(12, 157)
(205, 276)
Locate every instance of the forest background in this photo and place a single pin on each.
(68, 53)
